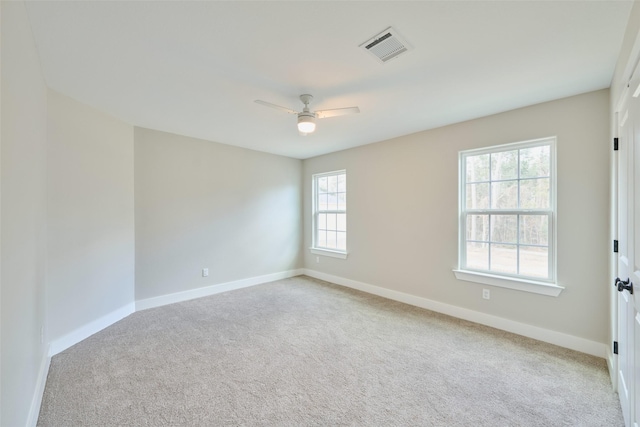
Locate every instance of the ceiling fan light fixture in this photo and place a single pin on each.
(307, 118)
(306, 122)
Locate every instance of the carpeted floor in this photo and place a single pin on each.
(303, 352)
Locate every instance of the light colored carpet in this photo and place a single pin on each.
(302, 352)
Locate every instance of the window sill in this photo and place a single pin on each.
(509, 283)
(329, 253)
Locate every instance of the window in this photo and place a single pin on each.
(330, 214)
(507, 215)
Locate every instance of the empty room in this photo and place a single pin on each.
(310, 213)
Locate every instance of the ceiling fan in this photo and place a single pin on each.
(306, 118)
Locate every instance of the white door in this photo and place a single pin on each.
(628, 285)
(633, 237)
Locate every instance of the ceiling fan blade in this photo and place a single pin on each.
(277, 107)
(337, 112)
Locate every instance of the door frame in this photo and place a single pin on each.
(617, 106)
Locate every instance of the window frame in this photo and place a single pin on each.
(315, 248)
(545, 286)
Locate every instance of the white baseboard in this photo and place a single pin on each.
(612, 366)
(36, 401)
(97, 325)
(213, 289)
(540, 334)
(74, 337)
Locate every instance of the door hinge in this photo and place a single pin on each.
(615, 347)
(615, 246)
(615, 144)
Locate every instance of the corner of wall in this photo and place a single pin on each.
(38, 394)
(89, 329)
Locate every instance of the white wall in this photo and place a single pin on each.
(200, 204)
(23, 217)
(90, 220)
(403, 214)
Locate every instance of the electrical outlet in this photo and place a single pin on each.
(205, 272)
(486, 294)
(317, 260)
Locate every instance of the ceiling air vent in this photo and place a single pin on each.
(386, 45)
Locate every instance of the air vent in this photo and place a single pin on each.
(386, 45)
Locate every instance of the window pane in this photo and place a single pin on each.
(534, 193)
(504, 228)
(478, 227)
(333, 184)
(534, 261)
(323, 202)
(322, 185)
(342, 201)
(477, 168)
(331, 222)
(504, 258)
(332, 203)
(534, 229)
(322, 239)
(478, 196)
(331, 239)
(322, 221)
(342, 183)
(342, 222)
(342, 241)
(478, 256)
(504, 165)
(535, 161)
(504, 195)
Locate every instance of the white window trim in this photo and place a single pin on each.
(543, 287)
(329, 253)
(333, 253)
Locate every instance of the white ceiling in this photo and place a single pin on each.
(195, 68)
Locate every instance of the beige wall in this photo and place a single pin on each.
(403, 210)
(23, 216)
(90, 216)
(199, 204)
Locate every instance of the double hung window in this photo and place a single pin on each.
(330, 213)
(507, 211)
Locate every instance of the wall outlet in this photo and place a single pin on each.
(317, 260)
(486, 294)
(205, 272)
